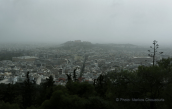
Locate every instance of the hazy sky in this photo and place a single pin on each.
(97, 21)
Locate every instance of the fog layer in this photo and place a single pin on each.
(97, 21)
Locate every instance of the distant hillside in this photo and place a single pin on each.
(77, 43)
(123, 45)
(73, 44)
(88, 45)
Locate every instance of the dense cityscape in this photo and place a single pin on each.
(61, 60)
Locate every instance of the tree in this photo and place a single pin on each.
(49, 82)
(155, 47)
(74, 75)
(28, 92)
(69, 78)
(101, 85)
(7, 105)
(47, 89)
(10, 93)
(153, 82)
(63, 100)
(165, 63)
(83, 89)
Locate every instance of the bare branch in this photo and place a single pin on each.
(155, 47)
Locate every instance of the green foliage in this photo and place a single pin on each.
(31, 107)
(74, 75)
(4, 105)
(147, 82)
(165, 63)
(83, 89)
(101, 85)
(122, 85)
(60, 87)
(28, 93)
(63, 100)
(45, 90)
(49, 82)
(8, 94)
(97, 102)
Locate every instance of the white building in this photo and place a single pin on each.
(141, 60)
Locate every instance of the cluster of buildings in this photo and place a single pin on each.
(59, 61)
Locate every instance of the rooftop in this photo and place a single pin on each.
(26, 57)
(141, 57)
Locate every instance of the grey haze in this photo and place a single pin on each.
(98, 21)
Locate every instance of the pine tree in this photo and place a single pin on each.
(28, 97)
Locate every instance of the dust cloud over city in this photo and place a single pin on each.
(135, 22)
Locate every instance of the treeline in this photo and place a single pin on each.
(146, 88)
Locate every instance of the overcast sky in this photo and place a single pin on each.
(97, 21)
